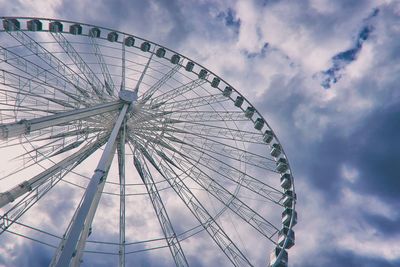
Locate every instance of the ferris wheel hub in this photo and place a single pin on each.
(128, 96)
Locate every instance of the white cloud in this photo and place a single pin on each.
(349, 173)
(46, 8)
(249, 35)
(339, 226)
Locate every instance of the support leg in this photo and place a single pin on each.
(78, 225)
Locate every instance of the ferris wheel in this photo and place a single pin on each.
(118, 150)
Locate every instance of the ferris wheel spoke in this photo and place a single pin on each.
(232, 153)
(81, 131)
(220, 149)
(90, 76)
(12, 100)
(208, 116)
(232, 174)
(42, 151)
(146, 67)
(36, 187)
(27, 126)
(229, 200)
(50, 59)
(226, 171)
(191, 103)
(215, 231)
(77, 133)
(36, 97)
(154, 88)
(108, 81)
(36, 72)
(202, 143)
(160, 210)
(35, 84)
(178, 91)
(218, 133)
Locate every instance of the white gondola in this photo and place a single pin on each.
(249, 112)
(112, 36)
(286, 181)
(129, 41)
(288, 198)
(239, 101)
(34, 25)
(11, 25)
(259, 124)
(286, 238)
(145, 46)
(227, 91)
(287, 215)
(55, 26)
(268, 136)
(160, 52)
(189, 66)
(215, 82)
(175, 59)
(282, 165)
(276, 150)
(75, 29)
(202, 74)
(282, 261)
(94, 32)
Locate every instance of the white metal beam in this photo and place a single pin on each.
(27, 126)
(78, 225)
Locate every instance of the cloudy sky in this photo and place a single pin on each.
(325, 74)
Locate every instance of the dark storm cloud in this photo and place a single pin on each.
(28, 254)
(387, 226)
(317, 161)
(340, 257)
(374, 149)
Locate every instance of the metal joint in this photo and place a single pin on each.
(26, 184)
(9, 196)
(4, 132)
(99, 170)
(27, 125)
(128, 96)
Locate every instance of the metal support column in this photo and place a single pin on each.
(78, 225)
(121, 169)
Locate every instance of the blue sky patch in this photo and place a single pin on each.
(342, 59)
